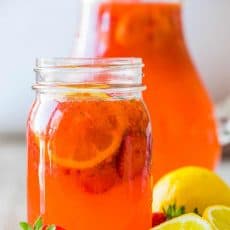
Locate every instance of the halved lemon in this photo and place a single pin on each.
(218, 216)
(185, 222)
(85, 133)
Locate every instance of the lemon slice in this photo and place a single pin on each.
(85, 96)
(185, 222)
(84, 134)
(218, 216)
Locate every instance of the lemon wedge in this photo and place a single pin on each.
(218, 216)
(185, 222)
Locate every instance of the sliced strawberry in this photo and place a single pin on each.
(138, 119)
(99, 179)
(158, 218)
(133, 156)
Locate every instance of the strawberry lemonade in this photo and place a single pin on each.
(89, 146)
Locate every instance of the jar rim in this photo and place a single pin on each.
(89, 74)
(65, 63)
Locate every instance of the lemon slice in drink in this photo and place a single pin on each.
(185, 222)
(84, 134)
(218, 216)
(88, 96)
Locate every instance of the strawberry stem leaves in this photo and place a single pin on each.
(172, 211)
(25, 226)
(38, 225)
(51, 227)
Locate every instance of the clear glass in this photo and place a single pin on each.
(89, 145)
(180, 108)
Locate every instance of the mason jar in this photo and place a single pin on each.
(89, 145)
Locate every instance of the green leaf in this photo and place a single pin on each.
(38, 224)
(51, 227)
(25, 226)
(172, 211)
(180, 211)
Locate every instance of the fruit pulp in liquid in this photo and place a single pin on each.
(89, 164)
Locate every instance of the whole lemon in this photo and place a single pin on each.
(193, 188)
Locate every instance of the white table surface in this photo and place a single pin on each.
(12, 183)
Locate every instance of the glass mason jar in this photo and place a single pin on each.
(180, 109)
(89, 145)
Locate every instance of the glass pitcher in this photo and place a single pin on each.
(184, 128)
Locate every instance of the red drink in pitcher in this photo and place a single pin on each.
(182, 116)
